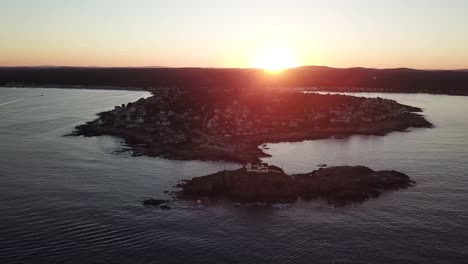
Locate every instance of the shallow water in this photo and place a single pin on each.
(78, 200)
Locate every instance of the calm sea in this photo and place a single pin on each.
(78, 200)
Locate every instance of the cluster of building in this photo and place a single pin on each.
(166, 119)
(369, 110)
(152, 115)
(236, 119)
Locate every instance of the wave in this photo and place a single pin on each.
(12, 101)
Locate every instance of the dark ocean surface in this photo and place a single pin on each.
(66, 199)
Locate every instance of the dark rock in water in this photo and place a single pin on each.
(165, 207)
(242, 186)
(346, 184)
(154, 202)
(337, 185)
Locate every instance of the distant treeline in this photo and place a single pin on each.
(314, 77)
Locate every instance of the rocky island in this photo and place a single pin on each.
(224, 124)
(339, 186)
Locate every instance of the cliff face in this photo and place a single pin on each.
(337, 185)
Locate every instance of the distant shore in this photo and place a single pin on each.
(353, 90)
(402, 80)
(77, 87)
(307, 90)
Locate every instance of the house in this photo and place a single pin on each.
(261, 167)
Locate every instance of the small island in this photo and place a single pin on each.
(224, 124)
(339, 186)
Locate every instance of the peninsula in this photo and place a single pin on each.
(339, 186)
(230, 124)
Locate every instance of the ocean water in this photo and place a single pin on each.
(79, 200)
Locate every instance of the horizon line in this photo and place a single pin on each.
(226, 68)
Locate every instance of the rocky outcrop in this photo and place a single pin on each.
(345, 184)
(154, 202)
(337, 185)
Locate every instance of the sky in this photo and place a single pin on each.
(423, 34)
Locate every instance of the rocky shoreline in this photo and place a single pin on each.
(338, 186)
(246, 149)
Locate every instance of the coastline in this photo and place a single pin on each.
(307, 90)
(246, 150)
(78, 87)
(250, 150)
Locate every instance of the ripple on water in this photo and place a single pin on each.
(73, 200)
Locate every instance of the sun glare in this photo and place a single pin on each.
(275, 59)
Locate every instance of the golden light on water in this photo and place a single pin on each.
(275, 59)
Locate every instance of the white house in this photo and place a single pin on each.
(257, 167)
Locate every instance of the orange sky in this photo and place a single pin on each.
(427, 34)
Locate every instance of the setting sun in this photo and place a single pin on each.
(275, 59)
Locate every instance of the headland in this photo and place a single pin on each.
(229, 125)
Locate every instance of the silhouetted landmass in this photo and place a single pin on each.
(339, 186)
(315, 77)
